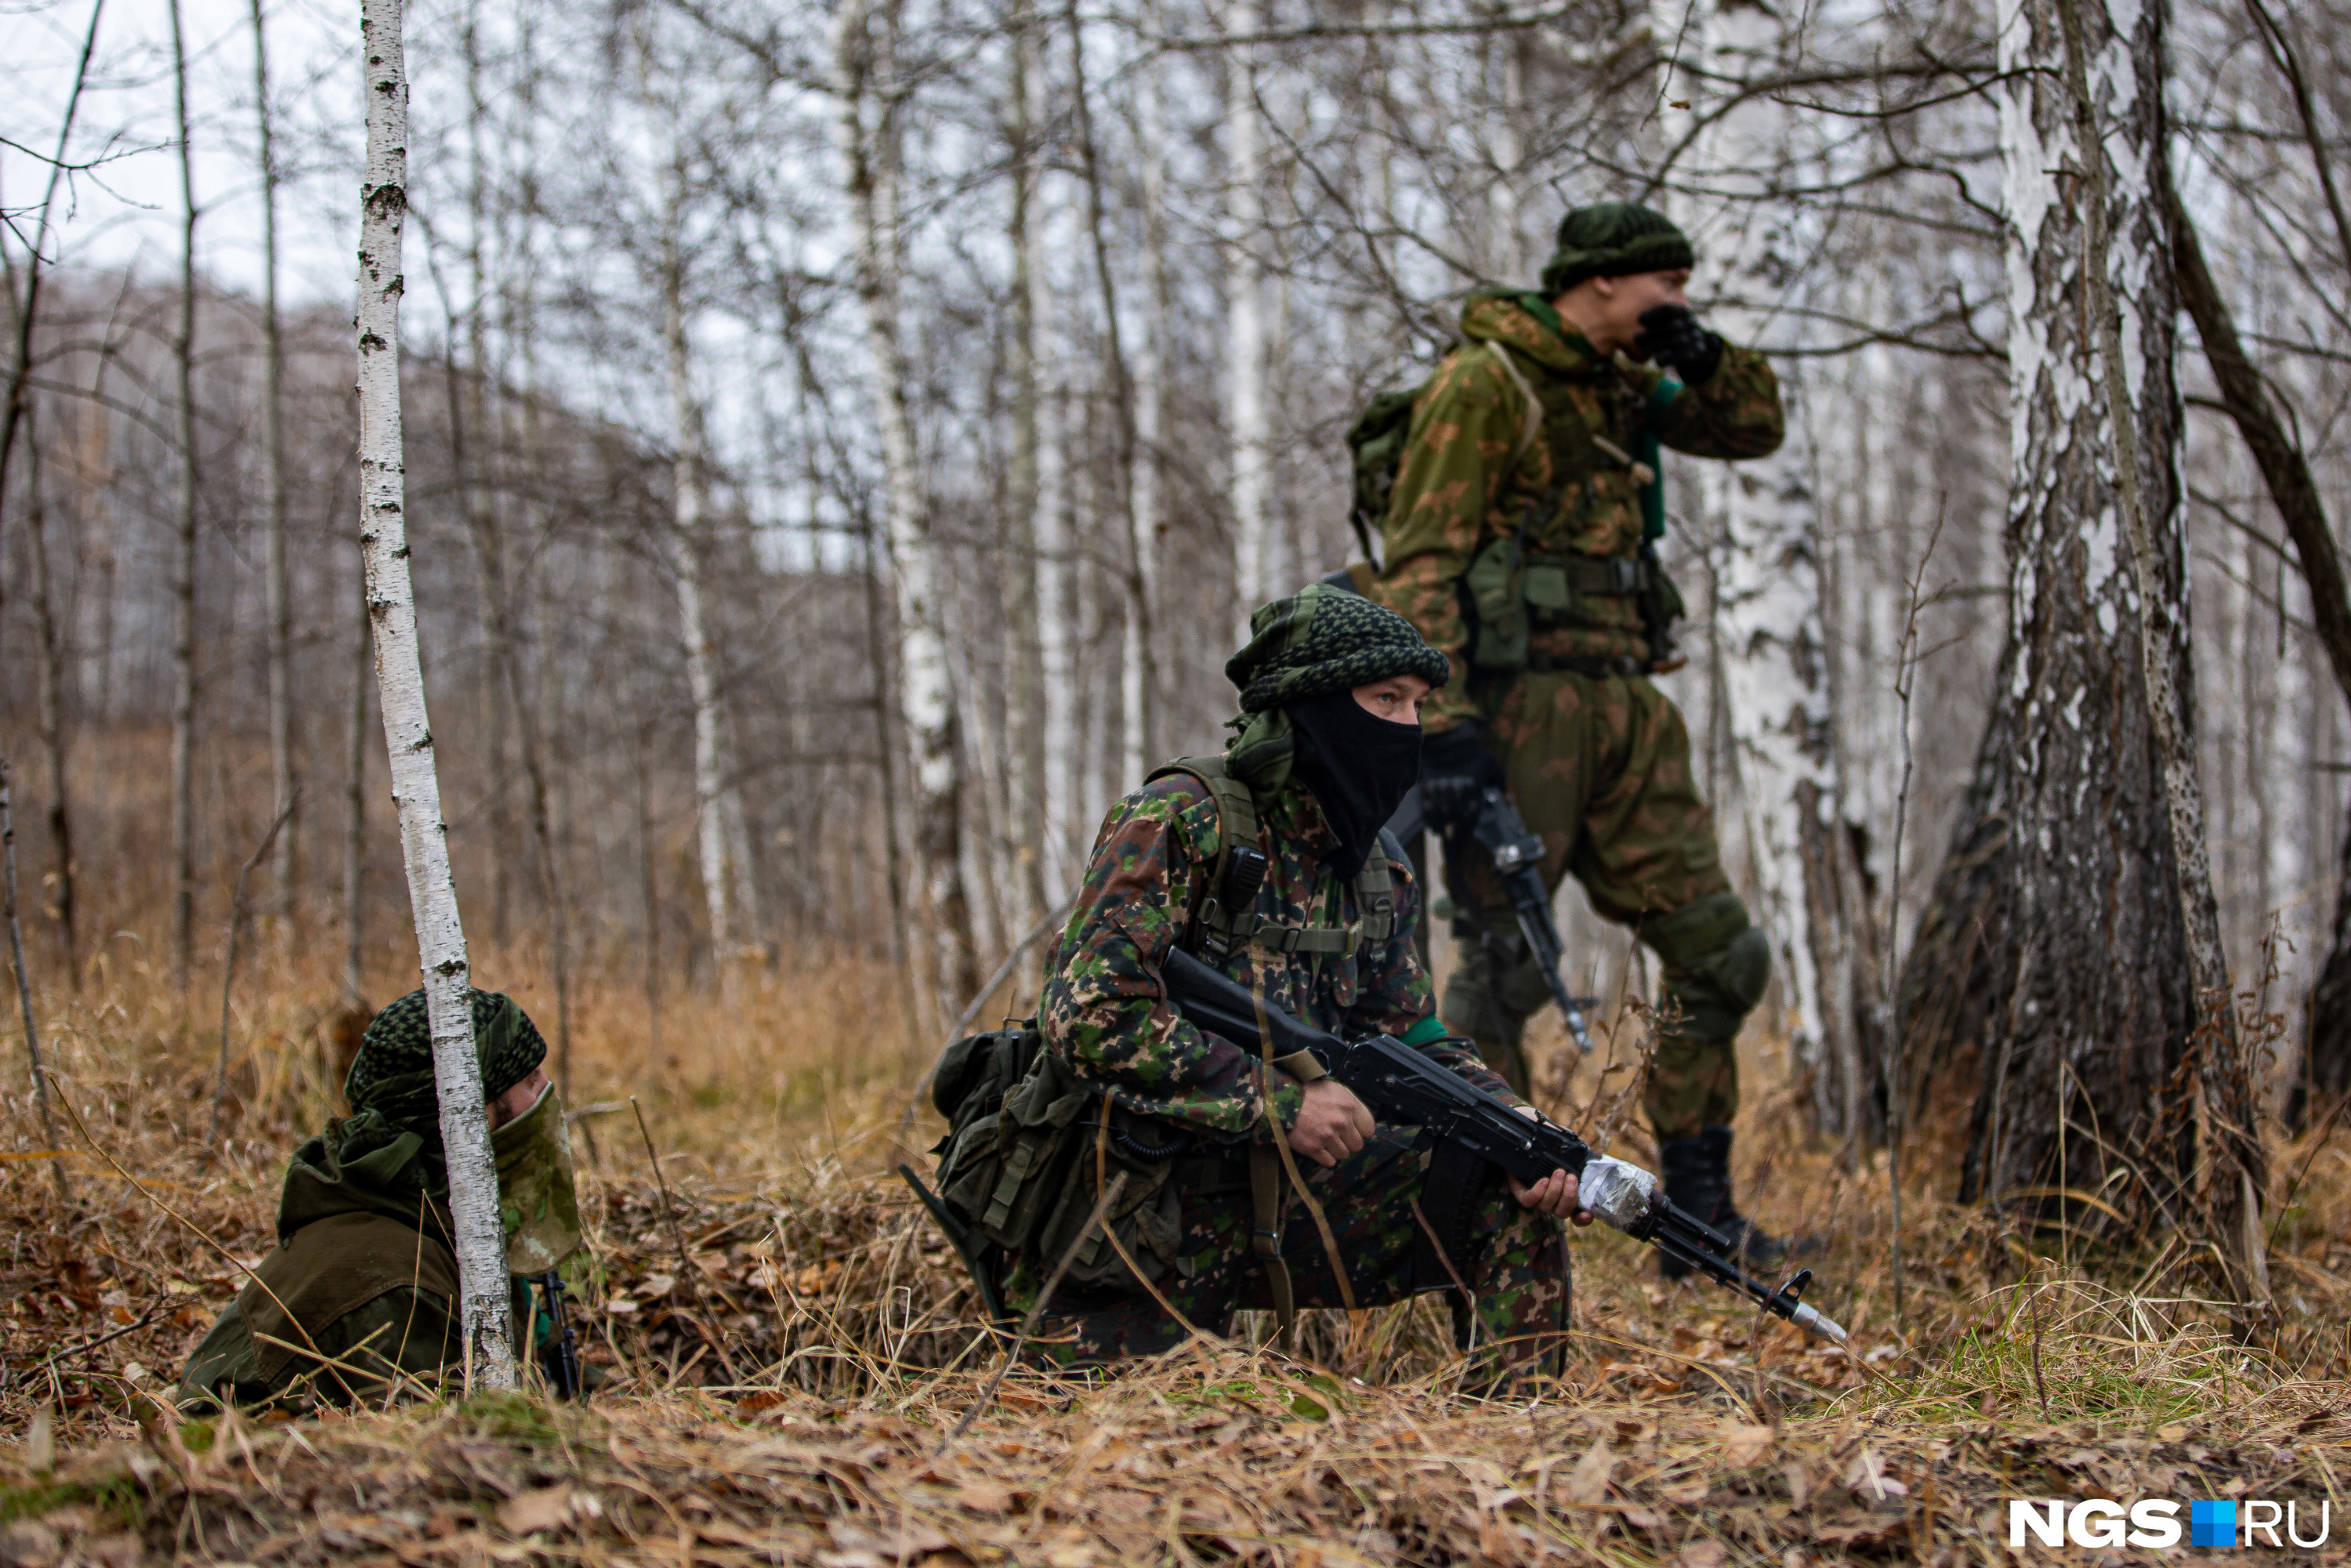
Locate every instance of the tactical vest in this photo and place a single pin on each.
(1512, 591)
(1223, 916)
(1022, 1133)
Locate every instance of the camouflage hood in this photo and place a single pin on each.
(367, 1164)
(1528, 323)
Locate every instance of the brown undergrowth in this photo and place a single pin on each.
(785, 1390)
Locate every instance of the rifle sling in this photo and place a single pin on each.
(1449, 1195)
(1265, 1234)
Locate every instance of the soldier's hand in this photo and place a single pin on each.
(1555, 1195)
(1331, 1124)
(1670, 336)
(1456, 769)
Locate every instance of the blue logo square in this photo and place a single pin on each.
(2212, 1524)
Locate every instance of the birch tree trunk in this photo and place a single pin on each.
(1139, 695)
(926, 693)
(2293, 490)
(183, 559)
(49, 641)
(1764, 528)
(2233, 1169)
(355, 805)
(276, 610)
(1024, 506)
(2052, 964)
(508, 674)
(1245, 337)
(701, 675)
(15, 418)
(408, 738)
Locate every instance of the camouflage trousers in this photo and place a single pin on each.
(1518, 1273)
(1600, 768)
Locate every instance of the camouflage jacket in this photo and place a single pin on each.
(1473, 465)
(1106, 1016)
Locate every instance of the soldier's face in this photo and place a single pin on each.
(1610, 313)
(1396, 699)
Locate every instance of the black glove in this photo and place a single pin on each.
(1670, 336)
(1456, 769)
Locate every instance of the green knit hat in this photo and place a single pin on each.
(1612, 239)
(393, 1071)
(1326, 639)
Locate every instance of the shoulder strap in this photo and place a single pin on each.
(1533, 427)
(1375, 891)
(1222, 913)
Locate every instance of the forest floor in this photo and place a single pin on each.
(786, 1349)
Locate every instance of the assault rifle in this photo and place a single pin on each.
(1403, 1087)
(560, 1357)
(1517, 860)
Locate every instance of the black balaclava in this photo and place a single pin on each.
(1359, 766)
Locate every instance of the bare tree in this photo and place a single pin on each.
(2053, 962)
(276, 609)
(1761, 528)
(183, 584)
(869, 141)
(1246, 347)
(486, 1308)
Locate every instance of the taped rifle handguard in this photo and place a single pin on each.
(1402, 1086)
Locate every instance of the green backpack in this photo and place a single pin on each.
(1375, 444)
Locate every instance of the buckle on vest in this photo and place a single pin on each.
(1624, 574)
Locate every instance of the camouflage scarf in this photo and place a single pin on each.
(393, 1075)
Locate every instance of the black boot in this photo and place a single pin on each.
(1697, 1181)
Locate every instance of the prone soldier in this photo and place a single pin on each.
(360, 1295)
(1519, 540)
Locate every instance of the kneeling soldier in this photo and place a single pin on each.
(1268, 862)
(361, 1289)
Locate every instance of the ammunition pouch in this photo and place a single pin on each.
(1223, 914)
(1498, 611)
(1020, 1174)
(1509, 595)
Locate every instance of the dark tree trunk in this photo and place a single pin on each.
(2326, 1076)
(2050, 977)
(2293, 491)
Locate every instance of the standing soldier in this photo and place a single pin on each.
(1521, 540)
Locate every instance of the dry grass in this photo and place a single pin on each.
(1685, 1427)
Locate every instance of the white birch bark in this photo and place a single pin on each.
(276, 609)
(926, 693)
(2228, 1080)
(408, 735)
(1245, 337)
(355, 807)
(1025, 751)
(1139, 696)
(1508, 246)
(1057, 622)
(1759, 516)
(711, 823)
